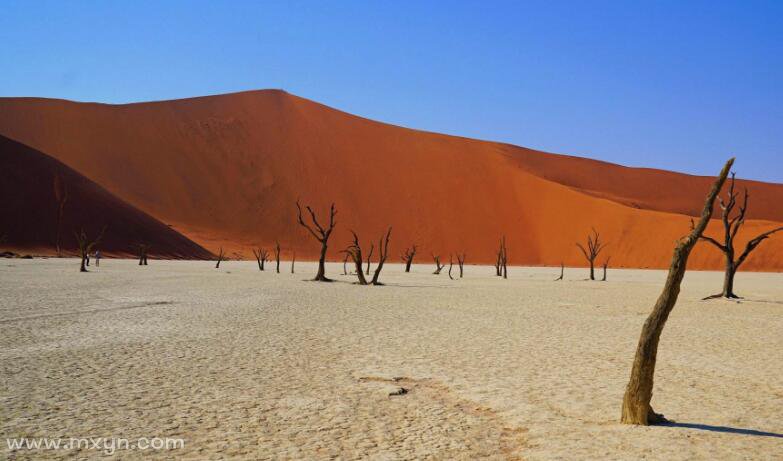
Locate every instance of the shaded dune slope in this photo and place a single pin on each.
(29, 210)
(226, 170)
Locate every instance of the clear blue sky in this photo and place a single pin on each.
(678, 85)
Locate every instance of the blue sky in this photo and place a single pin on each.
(678, 85)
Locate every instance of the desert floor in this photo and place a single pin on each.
(245, 364)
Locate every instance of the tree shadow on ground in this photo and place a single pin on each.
(723, 429)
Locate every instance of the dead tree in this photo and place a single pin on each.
(606, 264)
(143, 248)
(499, 261)
(293, 260)
(277, 256)
(354, 251)
(372, 247)
(61, 196)
(407, 257)
(438, 265)
(503, 258)
(731, 226)
(383, 253)
(562, 272)
(221, 257)
(451, 265)
(461, 262)
(636, 402)
(594, 247)
(321, 234)
(345, 264)
(261, 257)
(86, 245)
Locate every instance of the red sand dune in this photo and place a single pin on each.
(29, 210)
(226, 170)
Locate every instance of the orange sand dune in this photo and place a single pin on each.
(226, 170)
(29, 210)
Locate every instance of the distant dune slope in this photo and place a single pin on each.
(226, 170)
(29, 210)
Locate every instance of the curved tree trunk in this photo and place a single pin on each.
(638, 394)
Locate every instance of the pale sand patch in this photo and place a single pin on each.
(243, 364)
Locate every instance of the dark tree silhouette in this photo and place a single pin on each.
(293, 260)
(372, 247)
(636, 401)
(221, 257)
(61, 196)
(731, 226)
(261, 257)
(438, 266)
(86, 245)
(277, 256)
(594, 247)
(461, 262)
(143, 248)
(407, 257)
(383, 253)
(451, 265)
(345, 264)
(606, 264)
(321, 234)
(562, 272)
(503, 258)
(354, 251)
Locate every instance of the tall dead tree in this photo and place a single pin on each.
(293, 260)
(372, 247)
(461, 262)
(143, 248)
(636, 401)
(594, 247)
(438, 266)
(606, 264)
(731, 226)
(321, 234)
(383, 253)
(86, 245)
(277, 256)
(221, 257)
(451, 265)
(61, 196)
(503, 258)
(562, 272)
(407, 257)
(354, 251)
(261, 257)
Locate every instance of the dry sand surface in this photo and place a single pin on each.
(243, 364)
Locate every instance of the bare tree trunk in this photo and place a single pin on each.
(461, 262)
(562, 272)
(372, 247)
(606, 264)
(293, 260)
(636, 402)
(407, 257)
(345, 264)
(451, 265)
(321, 234)
(728, 279)
(221, 255)
(354, 250)
(438, 265)
(383, 250)
(277, 257)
